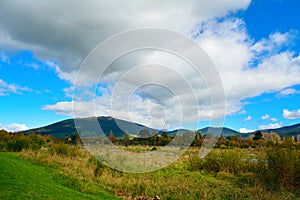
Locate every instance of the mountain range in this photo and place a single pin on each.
(118, 127)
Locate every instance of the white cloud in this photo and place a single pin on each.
(242, 112)
(48, 91)
(13, 127)
(33, 65)
(273, 119)
(221, 40)
(247, 118)
(245, 130)
(4, 58)
(6, 89)
(157, 114)
(78, 27)
(265, 117)
(287, 92)
(294, 114)
(274, 42)
(271, 126)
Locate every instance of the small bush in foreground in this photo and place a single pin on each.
(63, 149)
(220, 161)
(279, 168)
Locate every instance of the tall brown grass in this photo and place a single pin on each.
(223, 174)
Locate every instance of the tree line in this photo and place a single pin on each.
(18, 141)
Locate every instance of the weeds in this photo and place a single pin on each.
(279, 168)
(230, 161)
(223, 174)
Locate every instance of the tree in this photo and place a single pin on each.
(144, 133)
(164, 134)
(75, 139)
(271, 137)
(126, 139)
(233, 137)
(112, 138)
(188, 137)
(257, 135)
(197, 138)
(198, 135)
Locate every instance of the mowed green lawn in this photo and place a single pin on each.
(20, 179)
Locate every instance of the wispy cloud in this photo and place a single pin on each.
(273, 119)
(287, 92)
(33, 65)
(266, 59)
(7, 89)
(242, 112)
(14, 127)
(247, 118)
(265, 117)
(293, 114)
(4, 58)
(271, 126)
(268, 117)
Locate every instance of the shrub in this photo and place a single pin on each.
(11, 145)
(61, 149)
(154, 149)
(195, 163)
(225, 161)
(229, 161)
(279, 168)
(3, 146)
(64, 149)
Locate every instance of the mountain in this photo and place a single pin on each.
(177, 131)
(286, 131)
(215, 130)
(67, 127)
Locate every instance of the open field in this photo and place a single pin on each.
(224, 174)
(63, 169)
(20, 179)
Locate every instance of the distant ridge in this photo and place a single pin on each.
(286, 131)
(67, 127)
(215, 130)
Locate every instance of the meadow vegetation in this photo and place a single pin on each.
(266, 170)
(21, 179)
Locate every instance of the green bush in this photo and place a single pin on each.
(196, 163)
(63, 149)
(11, 145)
(225, 161)
(279, 168)
(3, 146)
(220, 161)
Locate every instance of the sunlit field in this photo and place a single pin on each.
(223, 174)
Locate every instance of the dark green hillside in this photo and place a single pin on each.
(67, 127)
(215, 130)
(177, 131)
(119, 127)
(286, 131)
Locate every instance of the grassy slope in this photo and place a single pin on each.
(20, 179)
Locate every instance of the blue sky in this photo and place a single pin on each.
(39, 61)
